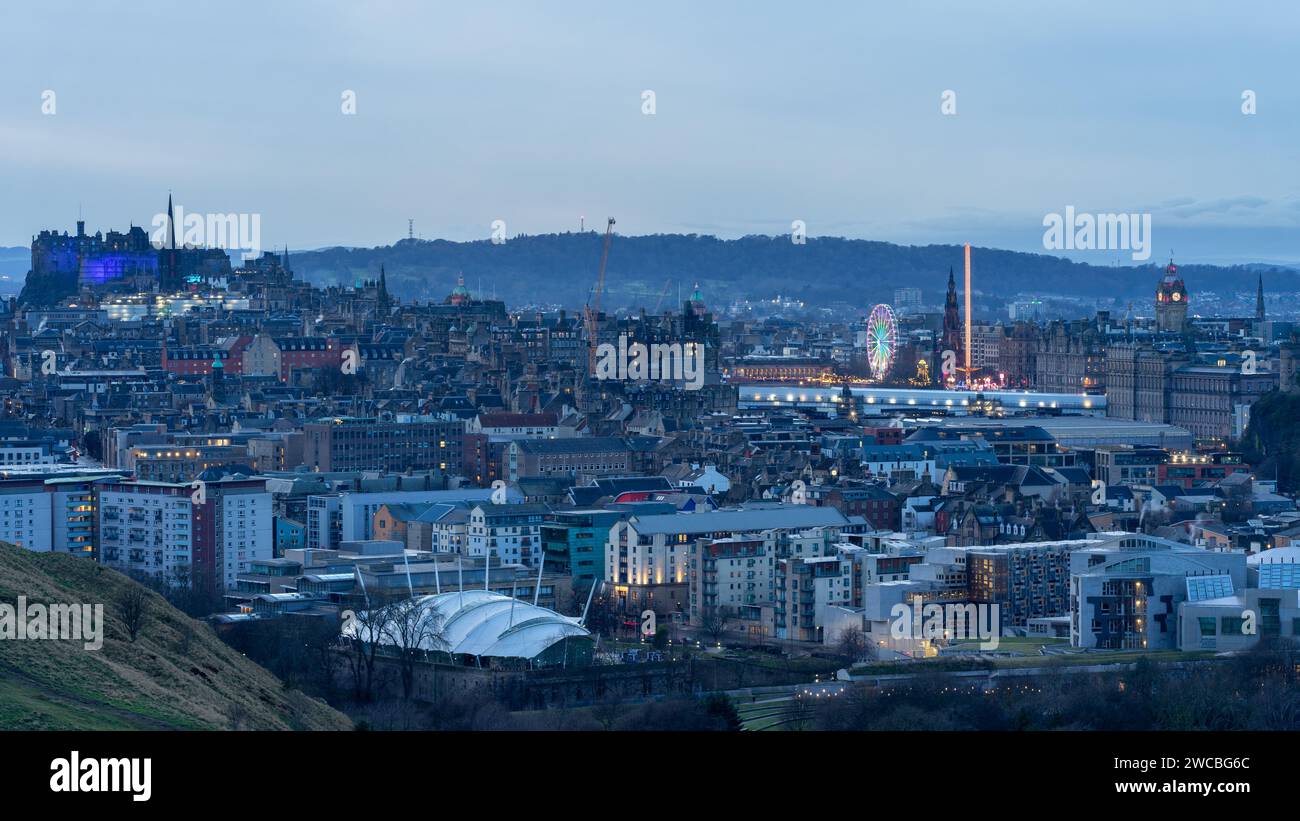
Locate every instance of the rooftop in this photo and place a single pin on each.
(787, 517)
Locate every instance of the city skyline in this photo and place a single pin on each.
(913, 377)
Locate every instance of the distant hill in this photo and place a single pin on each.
(561, 268)
(176, 675)
(14, 263)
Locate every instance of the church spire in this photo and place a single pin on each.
(1259, 300)
(952, 327)
(382, 298)
(167, 279)
(171, 223)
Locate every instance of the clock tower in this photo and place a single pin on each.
(1171, 301)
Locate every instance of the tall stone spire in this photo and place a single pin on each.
(1259, 300)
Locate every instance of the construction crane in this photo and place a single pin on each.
(668, 283)
(593, 304)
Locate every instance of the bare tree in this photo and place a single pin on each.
(852, 644)
(367, 628)
(414, 630)
(607, 713)
(601, 615)
(133, 609)
(713, 621)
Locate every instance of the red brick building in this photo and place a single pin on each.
(197, 360)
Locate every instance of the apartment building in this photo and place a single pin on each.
(582, 457)
(359, 443)
(509, 533)
(574, 541)
(805, 587)
(648, 558)
(177, 533)
(50, 512)
(730, 573)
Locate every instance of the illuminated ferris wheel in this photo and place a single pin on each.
(882, 340)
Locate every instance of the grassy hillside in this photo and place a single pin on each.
(176, 675)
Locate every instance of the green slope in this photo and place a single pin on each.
(176, 675)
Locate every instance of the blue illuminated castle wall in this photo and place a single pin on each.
(121, 259)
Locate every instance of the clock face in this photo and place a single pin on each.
(1177, 296)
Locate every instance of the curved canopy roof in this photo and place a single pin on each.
(481, 623)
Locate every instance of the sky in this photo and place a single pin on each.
(764, 113)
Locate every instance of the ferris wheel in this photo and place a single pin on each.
(882, 340)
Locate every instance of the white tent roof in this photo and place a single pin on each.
(481, 623)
